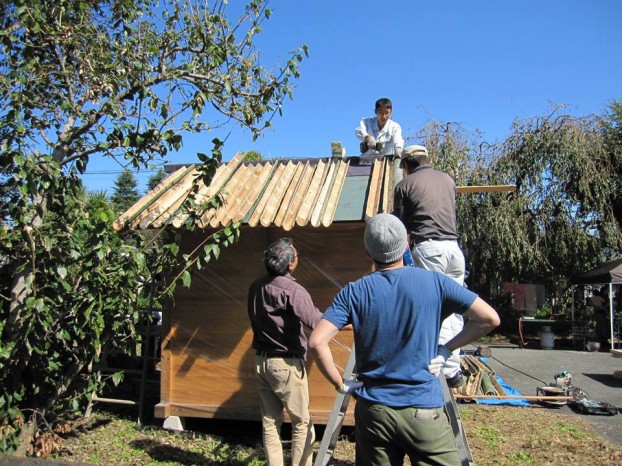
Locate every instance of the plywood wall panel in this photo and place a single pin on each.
(209, 356)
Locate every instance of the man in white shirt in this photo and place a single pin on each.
(380, 135)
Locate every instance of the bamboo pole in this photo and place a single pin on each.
(520, 397)
(114, 401)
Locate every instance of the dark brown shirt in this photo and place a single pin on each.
(425, 201)
(279, 308)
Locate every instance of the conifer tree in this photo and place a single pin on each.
(125, 192)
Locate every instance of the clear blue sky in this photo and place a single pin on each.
(481, 63)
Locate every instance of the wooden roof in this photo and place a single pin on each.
(282, 193)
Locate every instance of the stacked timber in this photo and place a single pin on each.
(480, 380)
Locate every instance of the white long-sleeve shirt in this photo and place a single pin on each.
(390, 135)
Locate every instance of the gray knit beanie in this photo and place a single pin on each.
(385, 238)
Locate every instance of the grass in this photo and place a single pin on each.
(497, 435)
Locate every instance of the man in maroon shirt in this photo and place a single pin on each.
(279, 308)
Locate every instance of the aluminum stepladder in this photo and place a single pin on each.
(466, 458)
(335, 420)
(337, 415)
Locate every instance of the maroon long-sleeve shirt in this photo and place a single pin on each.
(279, 308)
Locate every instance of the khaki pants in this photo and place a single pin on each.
(282, 383)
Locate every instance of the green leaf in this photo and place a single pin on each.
(117, 377)
(186, 278)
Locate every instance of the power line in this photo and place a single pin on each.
(115, 172)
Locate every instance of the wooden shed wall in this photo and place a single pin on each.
(207, 358)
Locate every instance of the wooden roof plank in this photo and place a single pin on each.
(375, 181)
(261, 175)
(265, 196)
(168, 199)
(235, 191)
(152, 196)
(487, 189)
(290, 216)
(387, 188)
(322, 200)
(289, 195)
(222, 174)
(272, 207)
(304, 213)
(335, 194)
(168, 214)
(217, 185)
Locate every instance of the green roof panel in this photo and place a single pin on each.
(351, 204)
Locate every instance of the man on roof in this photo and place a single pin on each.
(380, 135)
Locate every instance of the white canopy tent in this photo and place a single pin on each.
(610, 274)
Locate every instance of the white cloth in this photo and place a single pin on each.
(445, 257)
(390, 135)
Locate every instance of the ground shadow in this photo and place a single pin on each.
(606, 379)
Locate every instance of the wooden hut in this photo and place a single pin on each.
(207, 358)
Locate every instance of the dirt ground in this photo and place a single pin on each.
(497, 435)
(505, 435)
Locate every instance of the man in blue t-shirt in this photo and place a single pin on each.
(396, 313)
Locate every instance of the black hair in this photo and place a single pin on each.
(415, 161)
(383, 103)
(278, 256)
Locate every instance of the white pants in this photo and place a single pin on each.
(450, 327)
(442, 256)
(445, 257)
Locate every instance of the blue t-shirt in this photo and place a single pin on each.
(396, 315)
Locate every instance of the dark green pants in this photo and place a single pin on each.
(385, 435)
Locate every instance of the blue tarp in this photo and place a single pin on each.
(509, 390)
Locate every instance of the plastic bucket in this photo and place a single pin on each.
(547, 339)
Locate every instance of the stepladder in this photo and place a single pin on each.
(336, 417)
(460, 438)
(340, 406)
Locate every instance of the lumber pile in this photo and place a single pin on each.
(480, 380)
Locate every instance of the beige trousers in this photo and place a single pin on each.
(282, 383)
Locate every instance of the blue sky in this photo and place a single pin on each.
(480, 63)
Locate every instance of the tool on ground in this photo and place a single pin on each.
(563, 392)
(585, 405)
(563, 379)
(595, 407)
